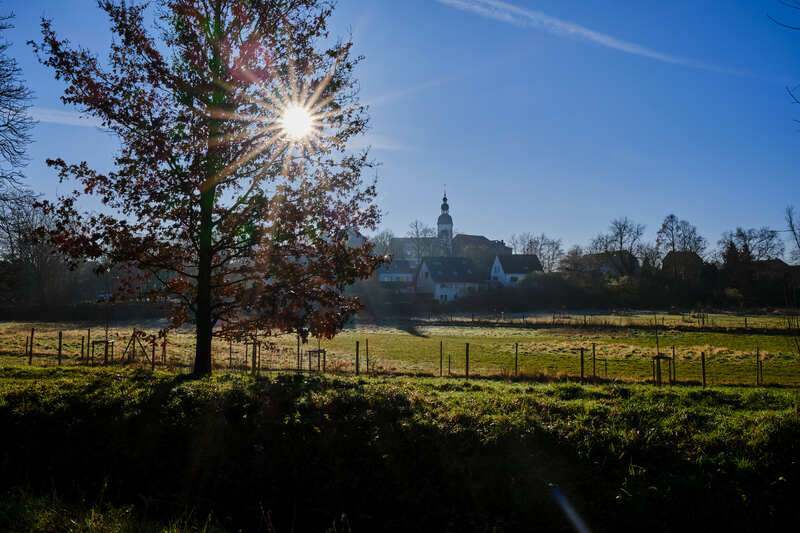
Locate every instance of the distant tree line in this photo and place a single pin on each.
(619, 268)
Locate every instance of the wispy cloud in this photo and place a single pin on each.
(527, 18)
(60, 116)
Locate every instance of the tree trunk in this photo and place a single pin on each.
(204, 321)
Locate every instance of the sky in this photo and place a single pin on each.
(549, 116)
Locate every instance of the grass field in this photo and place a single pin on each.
(125, 450)
(622, 354)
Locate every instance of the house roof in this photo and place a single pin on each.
(620, 262)
(519, 264)
(397, 266)
(462, 240)
(452, 270)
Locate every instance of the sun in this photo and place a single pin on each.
(297, 122)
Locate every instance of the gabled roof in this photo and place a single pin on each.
(519, 264)
(397, 266)
(452, 270)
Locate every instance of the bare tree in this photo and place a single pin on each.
(422, 238)
(572, 260)
(600, 244)
(15, 122)
(667, 236)
(382, 242)
(549, 251)
(649, 255)
(794, 232)
(625, 234)
(689, 240)
(679, 236)
(756, 244)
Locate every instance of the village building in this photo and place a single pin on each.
(508, 270)
(478, 248)
(614, 264)
(397, 276)
(686, 266)
(448, 278)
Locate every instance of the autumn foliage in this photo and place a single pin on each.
(226, 221)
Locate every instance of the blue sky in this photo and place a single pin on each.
(540, 116)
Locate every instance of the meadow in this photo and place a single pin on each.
(113, 449)
(621, 353)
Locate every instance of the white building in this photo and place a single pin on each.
(447, 278)
(508, 270)
(398, 271)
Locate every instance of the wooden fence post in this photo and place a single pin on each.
(60, 337)
(758, 364)
(164, 351)
(594, 361)
(581, 363)
(674, 366)
(153, 356)
(466, 364)
(82, 341)
(253, 355)
(357, 368)
(30, 348)
(105, 356)
(516, 358)
(441, 354)
(703, 366)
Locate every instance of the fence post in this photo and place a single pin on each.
(153, 356)
(82, 341)
(253, 356)
(105, 357)
(703, 366)
(758, 364)
(466, 365)
(164, 351)
(366, 352)
(60, 337)
(674, 367)
(30, 348)
(581, 363)
(357, 369)
(516, 358)
(594, 361)
(441, 355)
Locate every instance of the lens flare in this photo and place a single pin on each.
(296, 122)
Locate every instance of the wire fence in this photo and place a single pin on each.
(430, 356)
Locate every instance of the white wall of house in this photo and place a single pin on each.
(505, 278)
(386, 277)
(447, 292)
(425, 283)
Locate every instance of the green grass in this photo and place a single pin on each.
(390, 453)
(622, 354)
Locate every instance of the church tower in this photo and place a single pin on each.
(445, 227)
